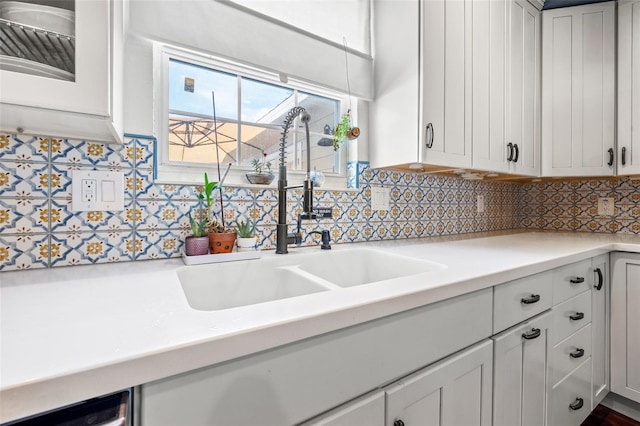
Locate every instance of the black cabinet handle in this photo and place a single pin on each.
(510, 146)
(610, 163)
(577, 280)
(398, 423)
(533, 299)
(600, 279)
(535, 332)
(429, 137)
(577, 404)
(515, 159)
(577, 316)
(579, 353)
(624, 155)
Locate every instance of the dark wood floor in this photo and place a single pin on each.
(602, 416)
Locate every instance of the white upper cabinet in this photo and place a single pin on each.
(578, 95)
(628, 157)
(87, 102)
(506, 87)
(422, 80)
(446, 82)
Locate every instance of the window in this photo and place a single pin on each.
(250, 109)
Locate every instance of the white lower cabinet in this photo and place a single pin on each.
(365, 411)
(625, 325)
(600, 328)
(570, 400)
(455, 391)
(520, 380)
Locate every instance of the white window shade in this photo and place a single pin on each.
(224, 29)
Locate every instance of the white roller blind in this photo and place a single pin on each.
(231, 32)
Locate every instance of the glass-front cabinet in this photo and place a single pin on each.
(61, 68)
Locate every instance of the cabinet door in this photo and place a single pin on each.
(625, 326)
(600, 328)
(520, 373)
(446, 82)
(578, 44)
(365, 411)
(629, 86)
(523, 109)
(455, 391)
(489, 85)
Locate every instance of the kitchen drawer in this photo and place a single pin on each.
(574, 390)
(570, 316)
(569, 353)
(509, 300)
(571, 280)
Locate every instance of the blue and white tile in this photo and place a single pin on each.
(23, 148)
(160, 244)
(24, 216)
(90, 247)
(85, 153)
(23, 180)
(63, 219)
(28, 251)
(141, 151)
(164, 214)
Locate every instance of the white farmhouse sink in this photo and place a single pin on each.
(347, 268)
(234, 284)
(229, 285)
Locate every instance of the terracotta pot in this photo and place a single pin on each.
(260, 178)
(222, 242)
(245, 244)
(196, 246)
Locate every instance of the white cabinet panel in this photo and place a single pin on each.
(455, 391)
(625, 325)
(600, 328)
(578, 90)
(365, 411)
(628, 86)
(520, 365)
(570, 400)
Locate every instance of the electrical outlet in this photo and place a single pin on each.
(379, 198)
(480, 204)
(97, 190)
(606, 206)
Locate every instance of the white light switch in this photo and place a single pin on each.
(97, 190)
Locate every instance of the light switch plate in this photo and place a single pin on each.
(379, 198)
(606, 206)
(97, 190)
(480, 204)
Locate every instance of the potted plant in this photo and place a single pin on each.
(221, 238)
(246, 235)
(262, 174)
(198, 243)
(344, 131)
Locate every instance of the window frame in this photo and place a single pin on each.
(171, 172)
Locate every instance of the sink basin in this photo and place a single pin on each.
(230, 285)
(235, 284)
(347, 268)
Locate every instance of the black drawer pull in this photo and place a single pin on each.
(577, 316)
(579, 353)
(577, 404)
(510, 147)
(398, 423)
(600, 279)
(535, 332)
(577, 280)
(610, 163)
(533, 299)
(624, 155)
(515, 158)
(429, 134)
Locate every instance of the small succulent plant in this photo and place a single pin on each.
(198, 227)
(245, 229)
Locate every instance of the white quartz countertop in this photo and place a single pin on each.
(68, 334)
